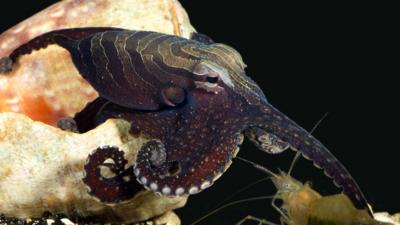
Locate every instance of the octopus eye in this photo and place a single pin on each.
(209, 72)
(212, 77)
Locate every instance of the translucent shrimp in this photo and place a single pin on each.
(302, 205)
(295, 196)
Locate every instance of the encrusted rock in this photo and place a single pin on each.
(386, 217)
(41, 169)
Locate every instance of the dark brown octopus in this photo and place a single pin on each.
(193, 100)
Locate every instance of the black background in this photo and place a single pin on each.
(309, 60)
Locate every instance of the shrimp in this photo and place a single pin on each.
(302, 205)
(295, 196)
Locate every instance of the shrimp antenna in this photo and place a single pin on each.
(233, 203)
(257, 166)
(237, 202)
(296, 157)
(319, 122)
(244, 189)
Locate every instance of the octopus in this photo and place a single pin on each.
(190, 97)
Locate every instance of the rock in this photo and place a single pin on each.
(386, 217)
(41, 169)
